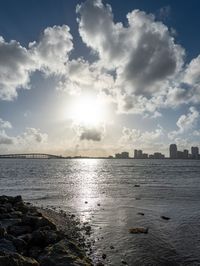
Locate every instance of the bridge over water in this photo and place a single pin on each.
(30, 156)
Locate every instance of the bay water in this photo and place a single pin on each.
(116, 195)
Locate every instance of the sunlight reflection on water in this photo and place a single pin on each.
(110, 187)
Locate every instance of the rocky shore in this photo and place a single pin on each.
(35, 237)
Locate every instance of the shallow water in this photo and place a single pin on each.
(166, 187)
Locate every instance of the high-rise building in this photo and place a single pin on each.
(173, 151)
(135, 154)
(139, 154)
(180, 155)
(185, 154)
(195, 152)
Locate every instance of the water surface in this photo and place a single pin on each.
(166, 187)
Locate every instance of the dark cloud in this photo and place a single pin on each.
(5, 140)
(91, 134)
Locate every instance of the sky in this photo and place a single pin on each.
(95, 78)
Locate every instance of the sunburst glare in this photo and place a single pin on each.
(87, 110)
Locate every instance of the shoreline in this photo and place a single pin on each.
(34, 236)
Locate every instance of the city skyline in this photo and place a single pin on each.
(94, 78)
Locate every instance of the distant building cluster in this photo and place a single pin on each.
(123, 155)
(175, 154)
(138, 154)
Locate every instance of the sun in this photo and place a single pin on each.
(87, 110)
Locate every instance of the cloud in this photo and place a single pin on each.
(52, 51)
(186, 122)
(137, 65)
(192, 72)
(91, 134)
(5, 139)
(136, 52)
(15, 67)
(4, 124)
(136, 137)
(31, 140)
(49, 55)
(31, 136)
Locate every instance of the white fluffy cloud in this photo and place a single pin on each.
(138, 66)
(142, 139)
(4, 124)
(4, 138)
(136, 52)
(186, 122)
(31, 136)
(15, 67)
(32, 139)
(49, 54)
(148, 64)
(52, 51)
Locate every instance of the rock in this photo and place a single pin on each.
(43, 221)
(99, 264)
(98, 204)
(2, 210)
(42, 238)
(86, 202)
(5, 216)
(140, 213)
(19, 244)
(16, 214)
(111, 247)
(10, 222)
(63, 253)
(8, 206)
(30, 220)
(3, 199)
(124, 262)
(17, 260)
(35, 252)
(21, 206)
(26, 237)
(137, 185)
(138, 230)
(25, 230)
(2, 231)
(104, 256)
(17, 199)
(165, 217)
(7, 246)
(87, 229)
(9, 237)
(17, 230)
